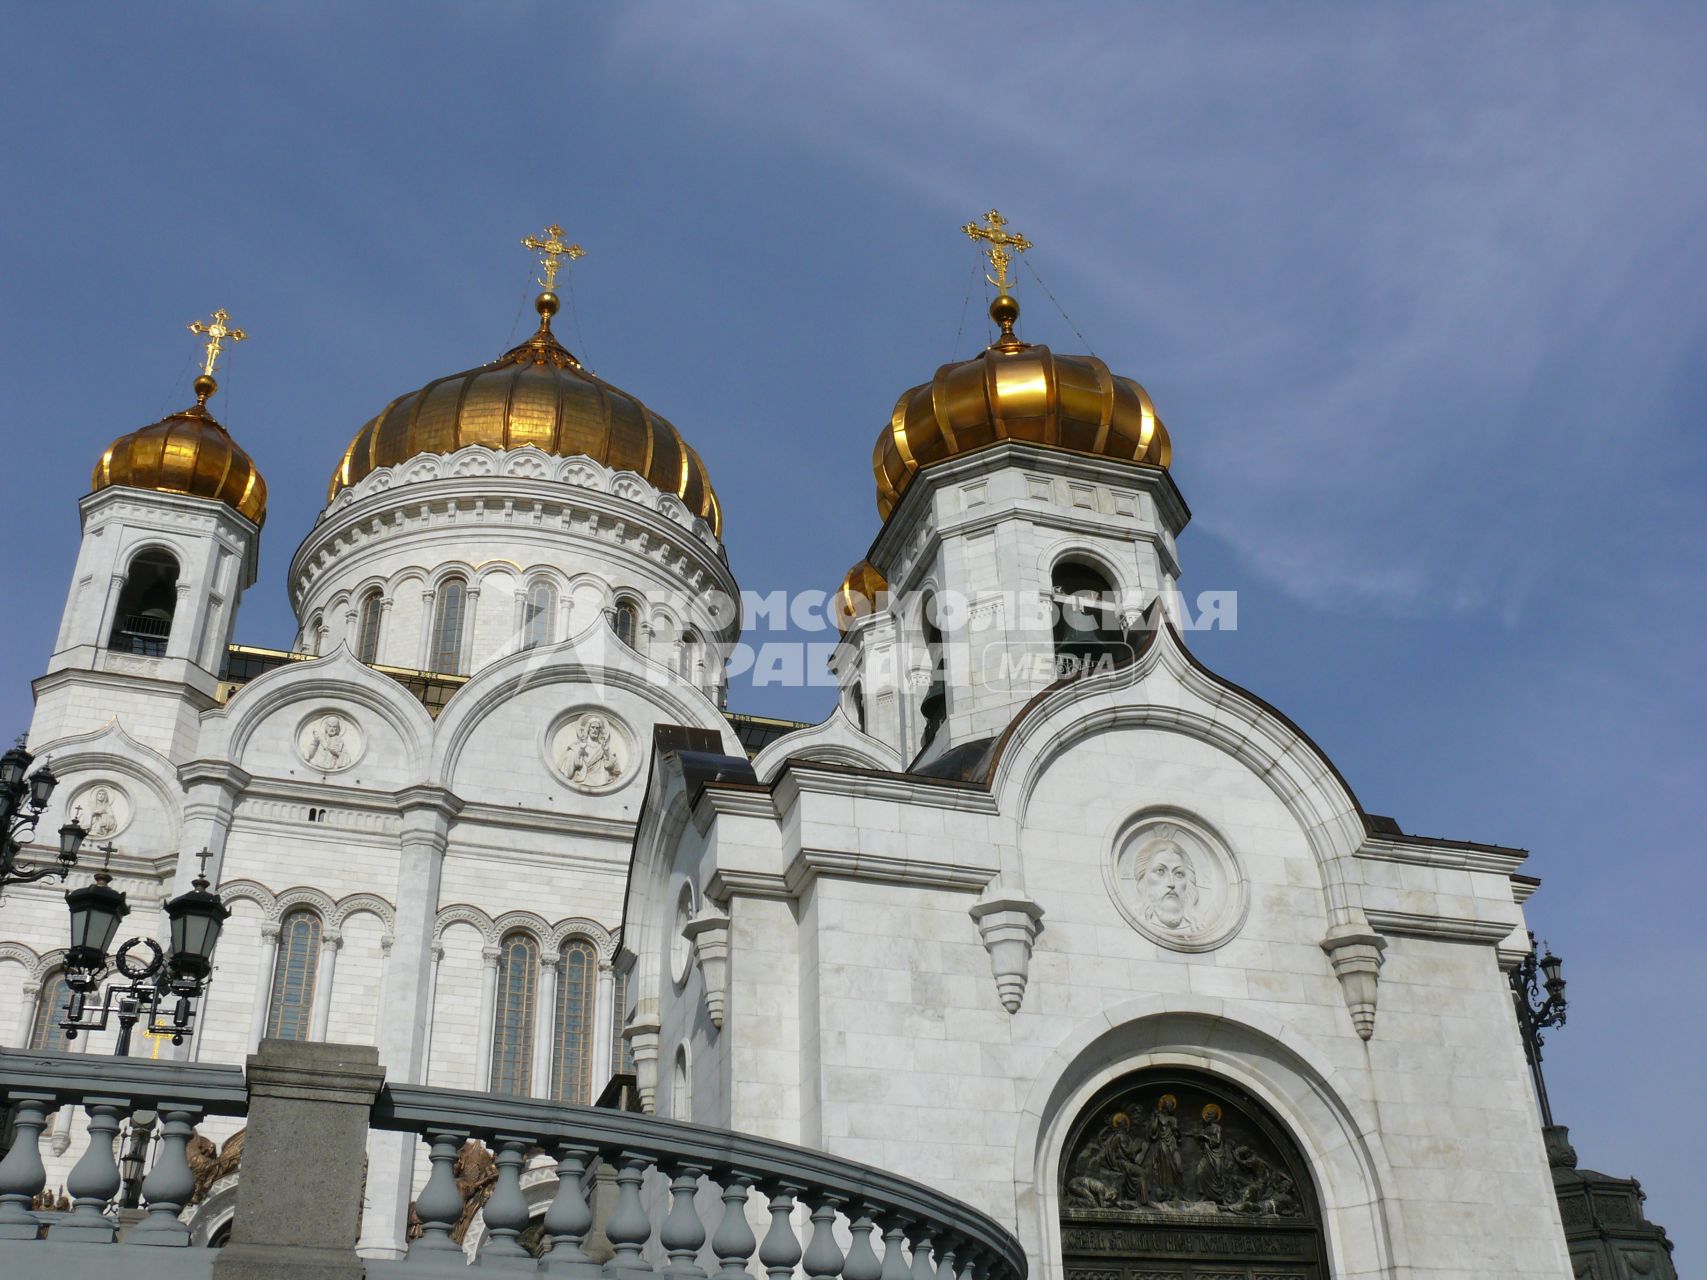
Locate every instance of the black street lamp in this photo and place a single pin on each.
(163, 988)
(23, 796)
(1536, 1011)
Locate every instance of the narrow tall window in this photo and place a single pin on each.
(934, 709)
(367, 633)
(448, 611)
(537, 609)
(50, 1008)
(512, 1025)
(627, 623)
(577, 1002)
(693, 659)
(621, 1052)
(681, 1089)
(291, 1007)
(1087, 625)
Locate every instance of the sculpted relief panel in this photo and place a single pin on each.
(330, 741)
(1176, 881)
(592, 750)
(103, 808)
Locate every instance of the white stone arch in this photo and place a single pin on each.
(584, 473)
(528, 461)
(837, 740)
(250, 891)
(440, 574)
(470, 915)
(523, 922)
(46, 963)
(592, 659)
(338, 677)
(1166, 690)
(316, 900)
(1122, 579)
(574, 927)
(111, 750)
(1336, 1131)
(152, 541)
(356, 904)
(19, 953)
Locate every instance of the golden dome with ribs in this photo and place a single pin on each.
(189, 453)
(1016, 391)
(535, 394)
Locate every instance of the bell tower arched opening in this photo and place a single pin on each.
(142, 623)
(1175, 1173)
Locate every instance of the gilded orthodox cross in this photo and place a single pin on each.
(552, 250)
(218, 333)
(1003, 245)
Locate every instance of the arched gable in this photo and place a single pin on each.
(837, 740)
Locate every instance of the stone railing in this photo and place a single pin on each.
(685, 1204)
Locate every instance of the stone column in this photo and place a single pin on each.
(427, 816)
(211, 789)
(544, 1021)
(300, 1196)
(438, 956)
(261, 1008)
(331, 942)
(27, 1013)
(604, 1018)
(488, 1012)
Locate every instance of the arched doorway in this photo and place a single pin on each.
(1172, 1174)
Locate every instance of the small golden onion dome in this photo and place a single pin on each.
(538, 394)
(859, 594)
(189, 453)
(1016, 391)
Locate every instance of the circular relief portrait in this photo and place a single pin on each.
(1176, 881)
(329, 741)
(103, 808)
(592, 750)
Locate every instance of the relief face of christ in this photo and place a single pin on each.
(1168, 890)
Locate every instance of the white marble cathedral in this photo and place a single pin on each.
(1045, 913)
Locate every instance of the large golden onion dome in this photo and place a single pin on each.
(1016, 391)
(189, 453)
(859, 594)
(538, 394)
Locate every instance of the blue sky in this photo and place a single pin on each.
(1418, 292)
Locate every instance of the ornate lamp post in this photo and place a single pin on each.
(163, 988)
(1536, 1011)
(23, 796)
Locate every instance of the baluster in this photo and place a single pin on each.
(439, 1206)
(894, 1259)
(569, 1218)
(974, 1264)
(781, 1251)
(629, 1228)
(948, 1246)
(169, 1184)
(823, 1259)
(734, 1242)
(22, 1174)
(862, 1263)
(95, 1178)
(506, 1213)
(683, 1233)
(922, 1266)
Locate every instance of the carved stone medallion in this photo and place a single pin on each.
(592, 750)
(1176, 881)
(330, 741)
(103, 808)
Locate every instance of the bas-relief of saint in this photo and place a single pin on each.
(328, 748)
(591, 758)
(103, 819)
(1169, 893)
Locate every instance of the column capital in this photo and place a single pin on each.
(424, 798)
(218, 773)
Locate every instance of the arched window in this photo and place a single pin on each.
(316, 637)
(143, 621)
(450, 608)
(934, 708)
(856, 701)
(537, 608)
(681, 1090)
(512, 1025)
(1087, 620)
(625, 619)
(692, 659)
(367, 627)
(55, 994)
(621, 1052)
(290, 1008)
(577, 1003)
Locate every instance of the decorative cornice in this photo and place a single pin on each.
(1414, 924)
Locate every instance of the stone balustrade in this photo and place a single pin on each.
(687, 1196)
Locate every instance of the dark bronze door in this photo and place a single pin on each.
(1177, 1175)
